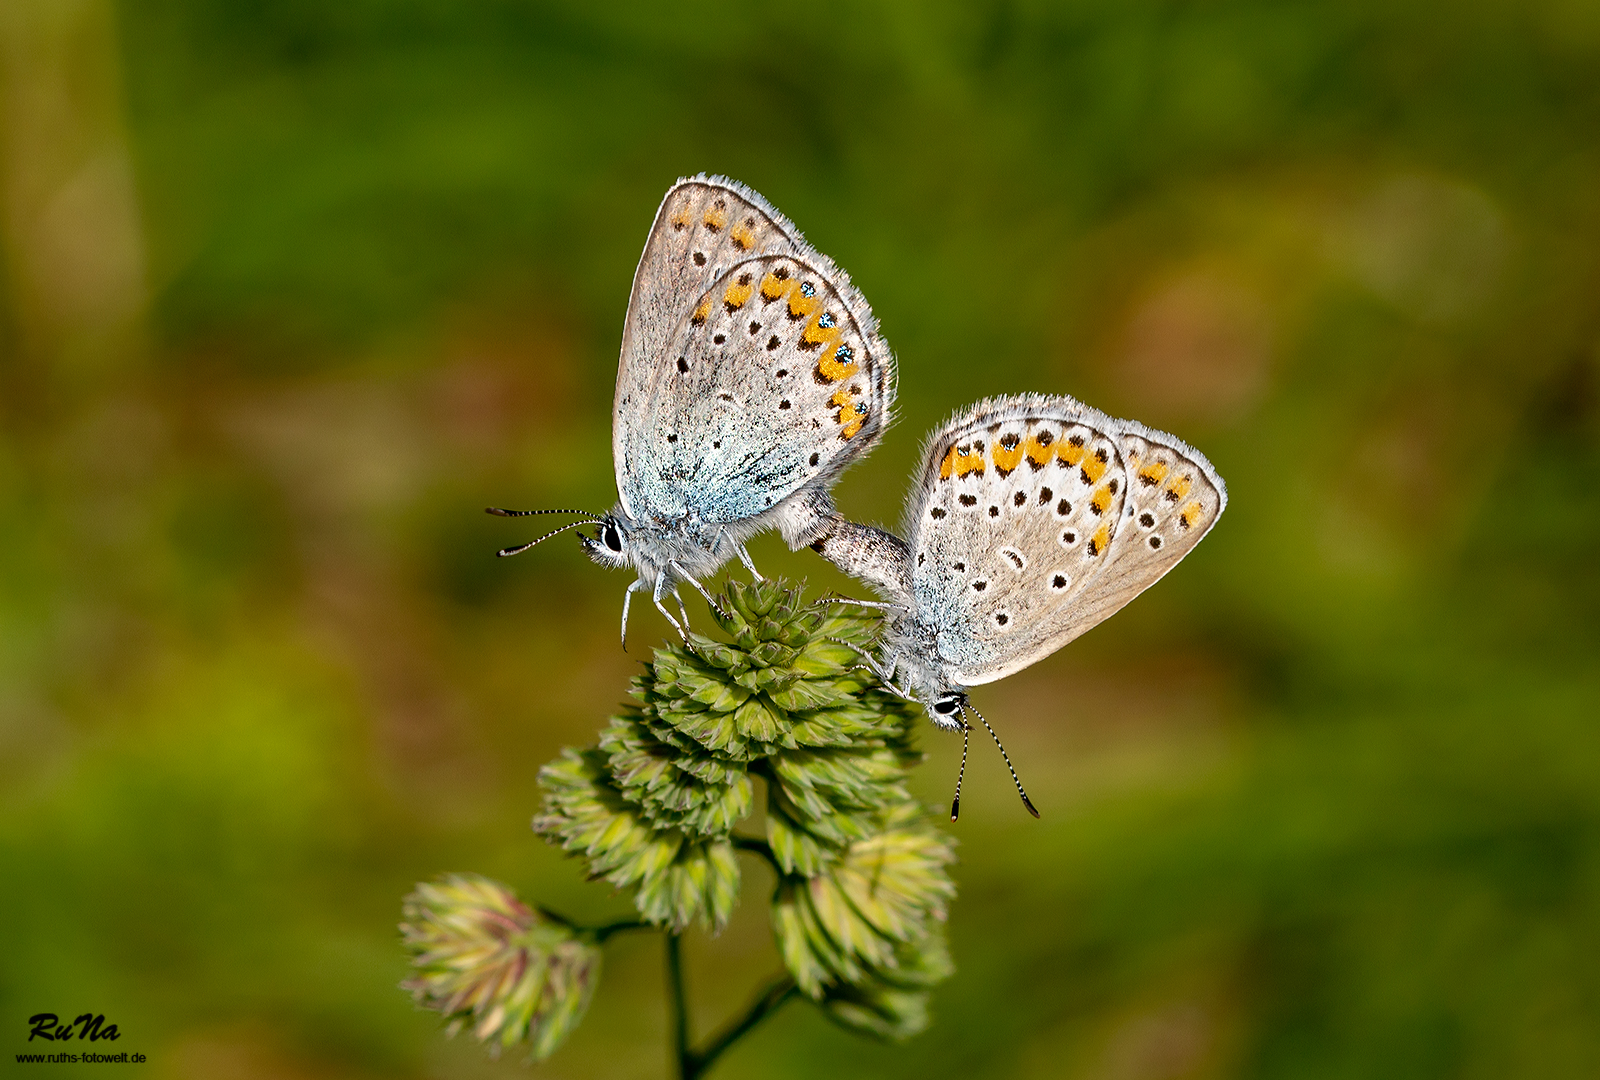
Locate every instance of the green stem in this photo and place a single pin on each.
(776, 993)
(757, 847)
(680, 1007)
(601, 933)
(693, 1063)
(596, 934)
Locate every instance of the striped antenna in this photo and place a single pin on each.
(497, 512)
(503, 552)
(955, 803)
(965, 705)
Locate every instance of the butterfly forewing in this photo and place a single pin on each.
(704, 226)
(774, 377)
(1018, 517)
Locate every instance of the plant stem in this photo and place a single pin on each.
(680, 1007)
(692, 1063)
(601, 933)
(757, 847)
(596, 934)
(776, 993)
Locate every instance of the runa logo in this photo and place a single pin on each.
(89, 1026)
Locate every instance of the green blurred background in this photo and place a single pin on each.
(293, 289)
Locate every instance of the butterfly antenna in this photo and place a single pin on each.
(498, 512)
(955, 803)
(1014, 779)
(503, 552)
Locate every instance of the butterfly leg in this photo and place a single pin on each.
(886, 676)
(744, 557)
(880, 604)
(885, 669)
(676, 595)
(627, 599)
(903, 695)
(869, 665)
(684, 574)
(884, 673)
(660, 591)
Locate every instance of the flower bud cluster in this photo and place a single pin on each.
(783, 724)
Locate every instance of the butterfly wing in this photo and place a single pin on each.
(1020, 528)
(771, 377)
(1174, 497)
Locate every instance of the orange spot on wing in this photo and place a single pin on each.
(815, 334)
(737, 294)
(1005, 459)
(773, 286)
(1153, 473)
(1069, 452)
(800, 304)
(829, 368)
(681, 217)
(743, 236)
(966, 463)
(1038, 452)
(849, 418)
(947, 464)
(1178, 488)
(701, 313)
(715, 218)
(1093, 468)
(1190, 515)
(1101, 539)
(1101, 501)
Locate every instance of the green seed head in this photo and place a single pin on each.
(487, 961)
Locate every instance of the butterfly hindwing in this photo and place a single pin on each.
(1174, 497)
(774, 378)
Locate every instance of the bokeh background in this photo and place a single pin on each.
(292, 289)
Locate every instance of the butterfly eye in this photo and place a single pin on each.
(611, 537)
(946, 706)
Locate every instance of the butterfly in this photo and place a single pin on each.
(752, 374)
(1034, 518)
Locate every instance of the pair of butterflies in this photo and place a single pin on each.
(752, 374)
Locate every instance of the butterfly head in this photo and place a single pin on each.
(609, 544)
(945, 710)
